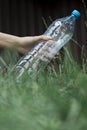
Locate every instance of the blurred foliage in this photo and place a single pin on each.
(56, 100)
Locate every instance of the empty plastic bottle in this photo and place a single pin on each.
(61, 31)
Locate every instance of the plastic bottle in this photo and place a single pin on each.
(61, 31)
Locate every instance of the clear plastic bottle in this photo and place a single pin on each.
(61, 31)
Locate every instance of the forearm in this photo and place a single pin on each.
(9, 41)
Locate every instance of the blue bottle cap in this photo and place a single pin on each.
(76, 13)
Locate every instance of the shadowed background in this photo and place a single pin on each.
(25, 17)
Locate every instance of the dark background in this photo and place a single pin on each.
(25, 17)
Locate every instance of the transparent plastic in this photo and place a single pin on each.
(61, 31)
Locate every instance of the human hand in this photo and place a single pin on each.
(27, 43)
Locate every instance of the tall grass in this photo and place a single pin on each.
(54, 101)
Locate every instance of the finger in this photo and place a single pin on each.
(45, 38)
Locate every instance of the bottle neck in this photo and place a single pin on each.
(69, 22)
(74, 17)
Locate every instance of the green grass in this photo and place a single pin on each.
(55, 101)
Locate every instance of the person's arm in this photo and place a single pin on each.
(23, 44)
(8, 41)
